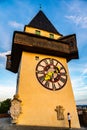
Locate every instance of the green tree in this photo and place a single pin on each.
(5, 105)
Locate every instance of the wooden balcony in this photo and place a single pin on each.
(65, 47)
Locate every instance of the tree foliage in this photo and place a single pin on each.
(5, 105)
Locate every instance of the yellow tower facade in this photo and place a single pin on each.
(40, 55)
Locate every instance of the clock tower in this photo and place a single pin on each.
(44, 93)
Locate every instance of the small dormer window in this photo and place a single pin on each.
(51, 36)
(37, 32)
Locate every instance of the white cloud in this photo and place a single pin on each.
(84, 72)
(3, 54)
(15, 24)
(82, 102)
(6, 92)
(79, 85)
(77, 13)
(73, 6)
(78, 20)
(78, 74)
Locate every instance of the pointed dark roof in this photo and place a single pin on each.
(40, 21)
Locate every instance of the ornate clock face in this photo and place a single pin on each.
(51, 74)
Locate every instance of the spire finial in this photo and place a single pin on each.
(40, 7)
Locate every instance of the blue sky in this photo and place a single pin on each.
(68, 17)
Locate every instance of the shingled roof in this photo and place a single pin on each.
(40, 21)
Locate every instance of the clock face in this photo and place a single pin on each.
(51, 74)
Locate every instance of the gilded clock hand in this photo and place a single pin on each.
(49, 76)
